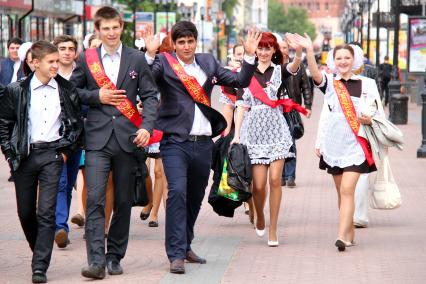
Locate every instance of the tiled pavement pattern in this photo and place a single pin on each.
(391, 250)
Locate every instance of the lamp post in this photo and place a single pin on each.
(202, 15)
(368, 28)
(378, 35)
(395, 84)
(421, 152)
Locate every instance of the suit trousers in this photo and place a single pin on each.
(66, 183)
(187, 168)
(42, 170)
(98, 164)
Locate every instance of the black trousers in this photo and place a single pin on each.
(42, 169)
(187, 168)
(98, 165)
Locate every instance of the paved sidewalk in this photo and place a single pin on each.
(391, 250)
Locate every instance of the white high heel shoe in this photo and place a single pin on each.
(273, 243)
(260, 233)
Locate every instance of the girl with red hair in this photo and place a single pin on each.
(266, 133)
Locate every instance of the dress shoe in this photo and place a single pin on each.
(78, 220)
(144, 215)
(61, 238)
(114, 267)
(177, 266)
(341, 244)
(359, 225)
(93, 271)
(290, 182)
(153, 224)
(39, 276)
(193, 258)
(282, 182)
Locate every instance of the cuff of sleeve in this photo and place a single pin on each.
(249, 59)
(292, 73)
(324, 79)
(149, 59)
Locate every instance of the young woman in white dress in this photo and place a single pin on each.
(341, 152)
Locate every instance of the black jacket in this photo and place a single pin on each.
(14, 109)
(298, 85)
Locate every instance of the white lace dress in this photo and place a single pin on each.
(339, 146)
(264, 129)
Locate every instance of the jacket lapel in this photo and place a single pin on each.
(124, 65)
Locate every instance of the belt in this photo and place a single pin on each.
(195, 138)
(44, 145)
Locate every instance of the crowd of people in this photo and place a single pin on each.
(70, 120)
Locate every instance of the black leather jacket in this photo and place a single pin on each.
(14, 107)
(297, 86)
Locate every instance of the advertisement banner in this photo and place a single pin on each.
(165, 21)
(144, 19)
(417, 44)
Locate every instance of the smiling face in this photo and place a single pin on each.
(185, 48)
(47, 67)
(109, 32)
(264, 54)
(67, 52)
(343, 60)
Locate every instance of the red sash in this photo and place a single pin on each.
(351, 117)
(259, 93)
(126, 107)
(230, 96)
(191, 85)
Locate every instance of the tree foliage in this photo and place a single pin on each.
(228, 7)
(289, 19)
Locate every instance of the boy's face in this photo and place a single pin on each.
(67, 53)
(185, 48)
(48, 65)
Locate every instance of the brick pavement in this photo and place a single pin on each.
(391, 250)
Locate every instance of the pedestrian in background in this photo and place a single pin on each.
(10, 66)
(297, 87)
(385, 71)
(41, 143)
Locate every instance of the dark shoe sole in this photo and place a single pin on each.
(61, 239)
(91, 275)
(340, 245)
(153, 224)
(111, 272)
(78, 220)
(177, 271)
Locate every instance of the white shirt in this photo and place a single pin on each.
(15, 71)
(111, 63)
(201, 125)
(44, 111)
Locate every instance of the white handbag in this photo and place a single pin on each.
(385, 193)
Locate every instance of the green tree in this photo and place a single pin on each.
(289, 19)
(228, 7)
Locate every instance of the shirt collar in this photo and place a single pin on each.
(353, 77)
(118, 52)
(193, 64)
(35, 83)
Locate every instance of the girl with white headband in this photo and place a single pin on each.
(352, 100)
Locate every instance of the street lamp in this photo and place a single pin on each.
(202, 15)
(395, 84)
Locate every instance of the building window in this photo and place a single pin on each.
(327, 6)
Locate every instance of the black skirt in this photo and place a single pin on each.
(364, 168)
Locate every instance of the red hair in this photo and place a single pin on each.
(269, 40)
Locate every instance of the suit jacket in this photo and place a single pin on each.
(102, 119)
(176, 113)
(6, 71)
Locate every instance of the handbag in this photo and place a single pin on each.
(140, 195)
(295, 124)
(224, 189)
(385, 193)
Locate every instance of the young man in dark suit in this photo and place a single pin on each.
(108, 78)
(40, 123)
(189, 125)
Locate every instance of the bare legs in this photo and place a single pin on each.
(260, 173)
(160, 189)
(345, 186)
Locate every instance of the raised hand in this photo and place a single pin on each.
(292, 42)
(152, 42)
(304, 41)
(252, 41)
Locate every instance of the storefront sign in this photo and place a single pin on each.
(417, 44)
